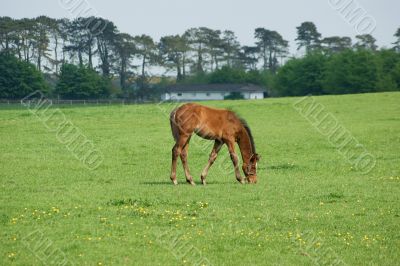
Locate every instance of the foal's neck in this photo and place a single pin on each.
(245, 145)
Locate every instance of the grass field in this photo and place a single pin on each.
(310, 206)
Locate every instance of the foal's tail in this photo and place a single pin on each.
(174, 126)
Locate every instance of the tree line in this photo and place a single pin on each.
(86, 56)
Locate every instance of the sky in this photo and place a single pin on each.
(165, 17)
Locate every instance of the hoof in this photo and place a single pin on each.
(190, 182)
(251, 181)
(175, 182)
(203, 180)
(241, 181)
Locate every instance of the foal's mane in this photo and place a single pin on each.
(246, 126)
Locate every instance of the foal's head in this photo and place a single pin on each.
(250, 169)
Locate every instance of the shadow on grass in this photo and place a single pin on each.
(156, 183)
(283, 166)
(198, 183)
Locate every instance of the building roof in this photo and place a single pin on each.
(215, 88)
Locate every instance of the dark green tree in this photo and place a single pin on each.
(125, 50)
(351, 72)
(55, 34)
(19, 78)
(389, 70)
(271, 46)
(42, 40)
(215, 47)
(248, 57)
(397, 42)
(336, 44)
(308, 37)
(173, 50)
(81, 83)
(24, 38)
(301, 76)
(227, 75)
(147, 53)
(366, 41)
(105, 44)
(76, 46)
(198, 39)
(7, 26)
(231, 47)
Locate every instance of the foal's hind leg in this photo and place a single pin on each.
(213, 156)
(184, 155)
(175, 154)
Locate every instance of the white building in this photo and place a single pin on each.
(209, 92)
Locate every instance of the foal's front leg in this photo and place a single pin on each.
(213, 156)
(235, 160)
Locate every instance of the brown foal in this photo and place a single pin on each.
(222, 126)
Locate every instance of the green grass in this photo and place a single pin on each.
(309, 206)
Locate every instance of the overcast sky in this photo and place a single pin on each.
(164, 17)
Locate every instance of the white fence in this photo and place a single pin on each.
(4, 102)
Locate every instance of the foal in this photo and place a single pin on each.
(222, 126)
